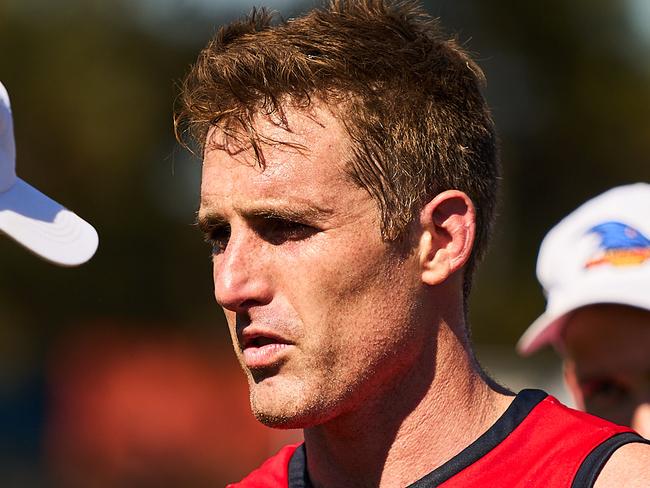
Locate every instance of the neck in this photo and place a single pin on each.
(428, 416)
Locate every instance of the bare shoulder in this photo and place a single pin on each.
(629, 466)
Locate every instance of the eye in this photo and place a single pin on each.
(277, 230)
(218, 238)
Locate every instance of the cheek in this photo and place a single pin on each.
(343, 305)
(231, 320)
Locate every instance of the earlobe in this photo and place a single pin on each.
(448, 225)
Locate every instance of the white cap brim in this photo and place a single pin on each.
(545, 330)
(600, 288)
(45, 227)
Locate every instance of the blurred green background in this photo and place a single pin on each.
(92, 84)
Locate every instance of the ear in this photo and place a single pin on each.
(572, 384)
(448, 224)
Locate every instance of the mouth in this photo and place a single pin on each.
(257, 341)
(263, 349)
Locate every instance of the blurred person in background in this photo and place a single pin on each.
(348, 189)
(31, 218)
(594, 267)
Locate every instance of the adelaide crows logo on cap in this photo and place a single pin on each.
(620, 245)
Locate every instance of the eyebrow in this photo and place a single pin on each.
(307, 213)
(209, 221)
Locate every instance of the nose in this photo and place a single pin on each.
(641, 419)
(241, 279)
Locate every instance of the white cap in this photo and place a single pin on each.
(600, 253)
(31, 218)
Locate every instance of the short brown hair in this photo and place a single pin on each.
(410, 98)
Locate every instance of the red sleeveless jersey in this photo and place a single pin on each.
(537, 442)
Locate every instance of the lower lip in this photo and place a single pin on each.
(264, 356)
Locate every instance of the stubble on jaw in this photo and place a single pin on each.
(289, 408)
(323, 389)
(320, 385)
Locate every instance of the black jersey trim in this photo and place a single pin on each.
(298, 476)
(514, 415)
(598, 457)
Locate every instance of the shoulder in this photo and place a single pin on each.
(629, 466)
(274, 471)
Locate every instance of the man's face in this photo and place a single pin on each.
(608, 363)
(321, 310)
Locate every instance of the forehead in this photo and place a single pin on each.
(300, 156)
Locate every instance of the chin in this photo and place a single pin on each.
(281, 412)
(280, 421)
(287, 410)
